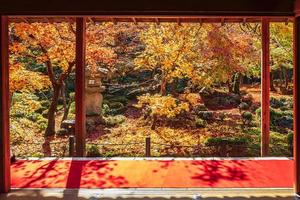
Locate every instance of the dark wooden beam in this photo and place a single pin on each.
(146, 18)
(153, 7)
(4, 108)
(265, 104)
(80, 128)
(296, 80)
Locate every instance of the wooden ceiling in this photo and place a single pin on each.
(148, 8)
(153, 19)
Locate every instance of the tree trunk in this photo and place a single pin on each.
(229, 86)
(65, 105)
(286, 78)
(50, 130)
(236, 83)
(272, 87)
(163, 86)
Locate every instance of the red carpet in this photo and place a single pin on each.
(152, 174)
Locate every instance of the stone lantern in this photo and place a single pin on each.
(93, 96)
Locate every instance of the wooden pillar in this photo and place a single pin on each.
(296, 98)
(4, 108)
(80, 129)
(265, 88)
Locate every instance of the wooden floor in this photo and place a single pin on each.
(149, 194)
(93, 173)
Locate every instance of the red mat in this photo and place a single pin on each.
(152, 174)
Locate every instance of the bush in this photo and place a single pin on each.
(72, 108)
(34, 117)
(42, 124)
(121, 99)
(215, 141)
(222, 116)
(243, 106)
(285, 122)
(114, 120)
(112, 108)
(290, 139)
(206, 115)
(276, 103)
(200, 123)
(248, 99)
(247, 117)
(92, 150)
(199, 108)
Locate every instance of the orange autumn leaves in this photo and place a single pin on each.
(52, 44)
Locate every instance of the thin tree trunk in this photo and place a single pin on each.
(50, 130)
(286, 78)
(163, 86)
(236, 83)
(65, 105)
(272, 87)
(229, 86)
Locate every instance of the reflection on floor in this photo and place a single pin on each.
(188, 173)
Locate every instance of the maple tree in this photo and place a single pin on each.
(205, 54)
(233, 53)
(173, 51)
(281, 51)
(53, 46)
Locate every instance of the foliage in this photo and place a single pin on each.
(92, 150)
(200, 123)
(247, 118)
(243, 106)
(114, 120)
(214, 141)
(162, 106)
(206, 115)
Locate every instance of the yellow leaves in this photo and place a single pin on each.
(171, 48)
(22, 80)
(192, 98)
(163, 106)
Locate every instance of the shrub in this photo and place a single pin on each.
(72, 108)
(162, 106)
(222, 116)
(247, 117)
(121, 99)
(215, 141)
(285, 122)
(290, 138)
(199, 108)
(92, 150)
(248, 99)
(200, 123)
(114, 120)
(34, 117)
(276, 103)
(206, 115)
(243, 106)
(42, 124)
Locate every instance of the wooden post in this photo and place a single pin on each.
(4, 108)
(296, 81)
(148, 147)
(265, 88)
(80, 129)
(71, 145)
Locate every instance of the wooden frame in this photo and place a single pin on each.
(296, 81)
(265, 87)
(4, 108)
(227, 11)
(80, 128)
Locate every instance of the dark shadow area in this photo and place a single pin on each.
(215, 171)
